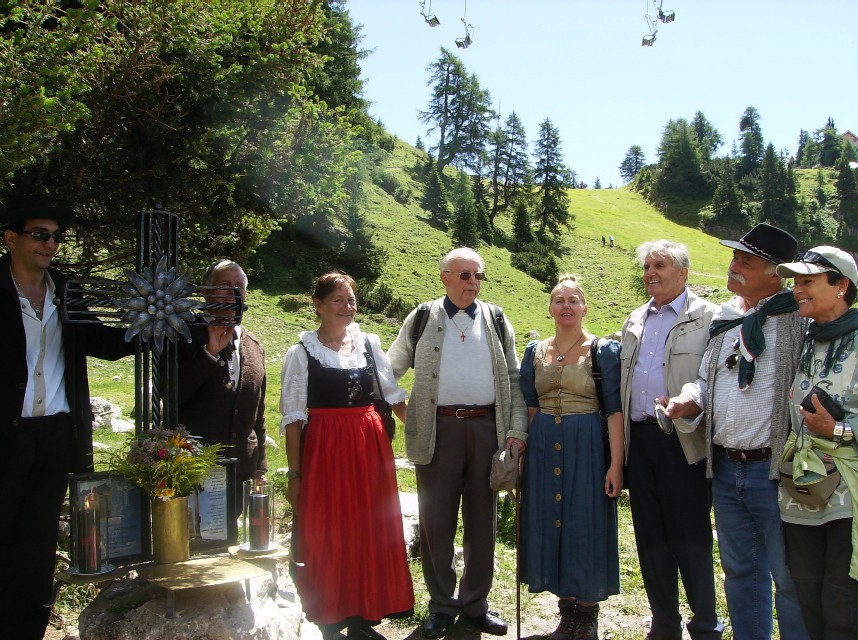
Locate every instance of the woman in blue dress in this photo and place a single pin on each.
(568, 510)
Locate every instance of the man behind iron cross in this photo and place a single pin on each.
(465, 404)
(662, 345)
(743, 391)
(45, 416)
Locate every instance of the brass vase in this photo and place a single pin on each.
(170, 530)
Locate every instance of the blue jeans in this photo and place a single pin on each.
(751, 543)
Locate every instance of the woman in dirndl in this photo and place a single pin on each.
(348, 550)
(569, 540)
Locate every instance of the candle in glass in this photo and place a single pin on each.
(88, 535)
(260, 517)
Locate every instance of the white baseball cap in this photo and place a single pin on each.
(820, 260)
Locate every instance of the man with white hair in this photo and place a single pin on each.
(743, 392)
(662, 345)
(466, 403)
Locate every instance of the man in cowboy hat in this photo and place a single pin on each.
(740, 399)
(45, 416)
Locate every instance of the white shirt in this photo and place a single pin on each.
(45, 394)
(293, 375)
(742, 417)
(466, 376)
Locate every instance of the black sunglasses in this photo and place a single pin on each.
(466, 275)
(812, 257)
(44, 236)
(733, 359)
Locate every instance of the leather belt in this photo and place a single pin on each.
(466, 412)
(647, 420)
(747, 455)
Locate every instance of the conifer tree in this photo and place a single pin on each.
(435, 197)
(752, 147)
(463, 226)
(550, 174)
(521, 229)
(481, 209)
(726, 205)
(632, 164)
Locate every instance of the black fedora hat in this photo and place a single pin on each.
(767, 242)
(18, 207)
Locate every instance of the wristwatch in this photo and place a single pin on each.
(842, 432)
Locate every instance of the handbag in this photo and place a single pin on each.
(597, 379)
(382, 407)
(816, 493)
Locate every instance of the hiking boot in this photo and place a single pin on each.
(566, 629)
(586, 622)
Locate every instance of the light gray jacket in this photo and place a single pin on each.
(510, 411)
(683, 352)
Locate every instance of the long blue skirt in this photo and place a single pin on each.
(568, 524)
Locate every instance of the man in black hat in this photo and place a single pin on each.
(45, 416)
(741, 400)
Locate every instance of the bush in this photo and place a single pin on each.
(386, 180)
(537, 261)
(292, 303)
(403, 195)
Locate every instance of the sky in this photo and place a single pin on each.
(581, 64)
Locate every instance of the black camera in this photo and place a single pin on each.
(837, 411)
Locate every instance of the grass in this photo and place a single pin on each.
(278, 310)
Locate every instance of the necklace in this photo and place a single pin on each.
(562, 356)
(37, 308)
(461, 331)
(334, 345)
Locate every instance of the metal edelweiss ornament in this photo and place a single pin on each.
(159, 307)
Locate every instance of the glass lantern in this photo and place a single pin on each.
(258, 520)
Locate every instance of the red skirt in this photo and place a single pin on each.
(349, 550)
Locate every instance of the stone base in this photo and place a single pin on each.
(136, 610)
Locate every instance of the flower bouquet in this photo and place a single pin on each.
(166, 463)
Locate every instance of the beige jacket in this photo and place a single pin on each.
(683, 352)
(510, 411)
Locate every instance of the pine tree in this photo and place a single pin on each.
(521, 229)
(847, 192)
(708, 137)
(481, 209)
(830, 147)
(632, 164)
(726, 205)
(435, 197)
(550, 175)
(459, 110)
(680, 169)
(463, 226)
(752, 143)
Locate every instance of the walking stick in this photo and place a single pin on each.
(518, 551)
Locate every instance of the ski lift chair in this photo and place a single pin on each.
(666, 16)
(464, 43)
(648, 40)
(432, 21)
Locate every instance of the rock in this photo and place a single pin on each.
(136, 610)
(109, 415)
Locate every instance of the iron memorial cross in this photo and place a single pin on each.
(156, 304)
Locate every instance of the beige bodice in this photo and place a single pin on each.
(564, 389)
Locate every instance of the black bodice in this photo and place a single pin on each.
(329, 387)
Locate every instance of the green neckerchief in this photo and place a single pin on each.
(808, 467)
(751, 337)
(843, 327)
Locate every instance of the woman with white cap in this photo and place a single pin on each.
(819, 523)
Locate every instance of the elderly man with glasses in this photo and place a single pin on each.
(741, 400)
(465, 405)
(45, 416)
